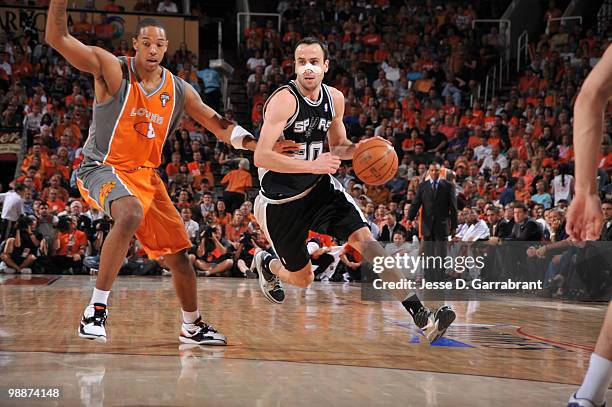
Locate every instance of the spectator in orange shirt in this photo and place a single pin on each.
(521, 192)
(475, 137)
(532, 97)
(68, 123)
(257, 112)
(55, 202)
(477, 112)
(528, 80)
(291, 37)
(203, 173)
(55, 182)
(173, 167)
(104, 31)
(449, 129)
(22, 68)
(235, 228)
(489, 120)
(83, 29)
(54, 167)
(34, 175)
(222, 217)
(69, 246)
(189, 74)
(237, 182)
(381, 54)
(410, 142)
(36, 154)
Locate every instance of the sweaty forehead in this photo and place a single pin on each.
(309, 51)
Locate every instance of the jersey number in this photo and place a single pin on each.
(309, 151)
(150, 132)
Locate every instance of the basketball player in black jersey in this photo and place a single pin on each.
(299, 194)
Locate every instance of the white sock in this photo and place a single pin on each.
(99, 297)
(189, 317)
(597, 380)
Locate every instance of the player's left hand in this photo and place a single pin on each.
(286, 147)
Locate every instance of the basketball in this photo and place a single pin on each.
(375, 162)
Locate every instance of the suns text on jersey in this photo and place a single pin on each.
(141, 111)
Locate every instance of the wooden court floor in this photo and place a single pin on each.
(324, 346)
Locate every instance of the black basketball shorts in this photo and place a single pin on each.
(327, 208)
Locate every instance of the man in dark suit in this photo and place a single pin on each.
(391, 227)
(606, 230)
(525, 229)
(500, 227)
(439, 216)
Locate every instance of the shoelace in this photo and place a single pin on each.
(99, 317)
(273, 284)
(204, 327)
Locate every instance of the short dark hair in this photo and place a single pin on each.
(400, 232)
(520, 205)
(19, 187)
(313, 40)
(148, 22)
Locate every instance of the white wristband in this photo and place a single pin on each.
(237, 137)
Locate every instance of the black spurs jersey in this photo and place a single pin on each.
(308, 127)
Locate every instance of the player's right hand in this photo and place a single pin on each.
(584, 217)
(326, 163)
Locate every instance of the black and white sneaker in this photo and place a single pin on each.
(434, 324)
(93, 322)
(202, 334)
(270, 284)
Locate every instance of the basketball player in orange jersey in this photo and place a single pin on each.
(137, 104)
(299, 194)
(584, 216)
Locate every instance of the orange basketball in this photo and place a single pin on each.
(375, 162)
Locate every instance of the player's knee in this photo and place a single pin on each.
(179, 262)
(361, 235)
(128, 214)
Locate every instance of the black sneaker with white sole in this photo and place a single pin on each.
(270, 284)
(201, 334)
(93, 323)
(434, 324)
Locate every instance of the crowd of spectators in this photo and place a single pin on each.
(409, 74)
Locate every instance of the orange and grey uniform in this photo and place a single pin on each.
(123, 150)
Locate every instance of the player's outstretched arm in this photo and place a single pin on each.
(225, 130)
(278, 111)
(103, 65)
(584, 217)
